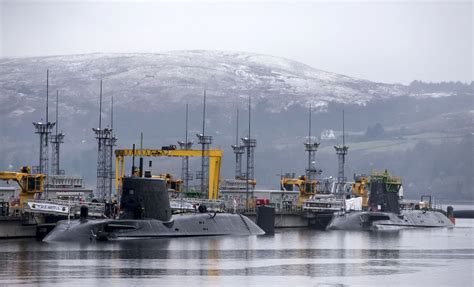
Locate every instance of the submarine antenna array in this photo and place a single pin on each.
(186, 145)
(205, 142)
(341, 151)
(44, 129)
(56, 140)
(311, 148)
(103, 140)
(249, 145)
(238, 151)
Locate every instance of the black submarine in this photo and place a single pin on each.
(386, 212)
(146, 213)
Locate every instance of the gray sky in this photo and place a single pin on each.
(387, 42)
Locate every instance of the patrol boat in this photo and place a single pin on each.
(146, 213)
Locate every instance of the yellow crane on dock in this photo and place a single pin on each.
(30, 184)
(305, 188)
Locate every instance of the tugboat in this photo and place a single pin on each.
(146, 213)
(383, 208)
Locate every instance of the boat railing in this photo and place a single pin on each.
(280, 209)
(64, 207)
(211, 204)
(415, 205)
(237, 207)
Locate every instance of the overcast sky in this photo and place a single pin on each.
(387, 42)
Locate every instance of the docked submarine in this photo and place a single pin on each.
(385, 213)
(146, 213)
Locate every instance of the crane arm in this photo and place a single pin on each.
(30, 184)
(171, 153)
(15, 176)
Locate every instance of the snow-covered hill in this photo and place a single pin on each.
(151, 82)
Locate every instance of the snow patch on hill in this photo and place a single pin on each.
(151, 82)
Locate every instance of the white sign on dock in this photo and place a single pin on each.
(48, 207)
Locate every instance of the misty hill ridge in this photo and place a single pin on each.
(181, 76)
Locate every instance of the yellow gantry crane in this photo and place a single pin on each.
(30, 184)
(215, 157)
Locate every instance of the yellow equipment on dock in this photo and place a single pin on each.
(306, 189)
(215, 157)
(30, 184)
(173, 184)
(360, 188)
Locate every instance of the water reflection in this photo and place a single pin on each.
(328, 256)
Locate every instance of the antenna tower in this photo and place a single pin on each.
(185, 145)
(109, 144)
(249, 145)
(103, 139)
(238, 151)
(44, 129)
(341, 151)
(56, 141)
(205, 142)
(311, 148)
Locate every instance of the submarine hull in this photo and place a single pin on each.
(146, 213)
(178, 226)
(388, 220)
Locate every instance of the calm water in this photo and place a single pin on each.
(292, 257)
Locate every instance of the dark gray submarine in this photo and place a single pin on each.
(146, 213)
(386, 212)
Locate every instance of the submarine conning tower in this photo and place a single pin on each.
(145, 198)
(383, 199)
